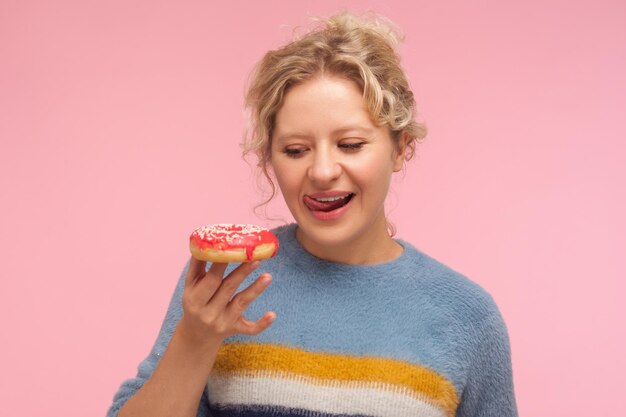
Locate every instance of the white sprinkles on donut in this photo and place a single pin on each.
(231, 233)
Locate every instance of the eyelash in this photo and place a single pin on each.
(293, 153)
(352, 146)
(347, 147)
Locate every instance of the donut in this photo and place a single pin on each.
(232, 243)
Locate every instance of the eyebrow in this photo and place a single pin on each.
(358, 129)
(342, 130)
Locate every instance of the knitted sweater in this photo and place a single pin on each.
(409, 337)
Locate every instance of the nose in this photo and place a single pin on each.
(325, 166)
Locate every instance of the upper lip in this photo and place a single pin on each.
(329, 194)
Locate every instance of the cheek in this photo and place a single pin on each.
(286, 178)
(373, 176)
(373, 169)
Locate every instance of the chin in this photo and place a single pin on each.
(327, 235)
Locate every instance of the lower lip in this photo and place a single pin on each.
(331, 215)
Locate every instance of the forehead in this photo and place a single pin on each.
(321, 104)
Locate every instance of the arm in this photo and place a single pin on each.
(489, 389)
(203, 312)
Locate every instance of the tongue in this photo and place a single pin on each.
(325, 205)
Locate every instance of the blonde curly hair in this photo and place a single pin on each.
(360, 49)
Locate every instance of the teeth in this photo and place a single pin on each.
(329, 199)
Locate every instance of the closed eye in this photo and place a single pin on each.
(352, 146)
(294, 152)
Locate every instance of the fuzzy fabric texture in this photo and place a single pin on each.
(410, 337)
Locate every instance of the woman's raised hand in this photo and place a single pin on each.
(212, 308)
(212, 311)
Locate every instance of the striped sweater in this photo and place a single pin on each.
(410, 337)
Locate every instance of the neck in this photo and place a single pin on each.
(374, 248)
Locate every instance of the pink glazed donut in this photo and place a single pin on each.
(232, 243)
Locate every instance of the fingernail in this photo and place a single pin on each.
(255, 264)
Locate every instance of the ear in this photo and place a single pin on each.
(400, 155)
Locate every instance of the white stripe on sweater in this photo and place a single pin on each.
(332, 397)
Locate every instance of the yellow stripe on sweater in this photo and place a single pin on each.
(238, 358)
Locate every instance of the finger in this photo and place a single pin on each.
(207, 284)
(253, 328)
(230, 284)
(218, 268)
(196, 269)
(242, 300)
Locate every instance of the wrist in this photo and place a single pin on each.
(192, 340)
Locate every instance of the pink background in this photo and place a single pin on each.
(119, 125)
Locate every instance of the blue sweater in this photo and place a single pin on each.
(410, 337)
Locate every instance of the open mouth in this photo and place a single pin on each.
(327, 204)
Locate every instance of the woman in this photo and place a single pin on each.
(366, 325)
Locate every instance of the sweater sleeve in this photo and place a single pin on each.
(147, 366)
(489, 391)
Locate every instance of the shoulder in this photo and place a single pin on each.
(449, 290)
(284, 232)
